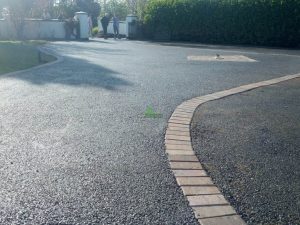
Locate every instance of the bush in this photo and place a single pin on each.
(95, 31)
(258, 22)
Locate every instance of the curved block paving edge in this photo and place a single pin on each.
(209, 205)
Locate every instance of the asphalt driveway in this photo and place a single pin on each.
(75, 147)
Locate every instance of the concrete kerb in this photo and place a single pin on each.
(44, 50)
(208, 204)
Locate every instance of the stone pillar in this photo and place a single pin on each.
(83, 24)
(131, 24)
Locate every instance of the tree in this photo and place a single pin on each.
(67, 8)
(91, 7)
(18, 10)
(118, 8)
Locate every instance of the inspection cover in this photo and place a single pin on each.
(221, 58)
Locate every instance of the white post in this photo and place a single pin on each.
(84, 24)
(131, 27)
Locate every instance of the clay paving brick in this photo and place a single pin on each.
(249, 86)
(174, 137)
(224, 220)
(179, 147)
(175, 142)
(205, 200)
(205, 98)
(180, 152)
(188, 107)
(181, 127)
(188, 152)
(200, 190)
(221, 94)
(215, 96)
(263, 83)
(180, 119)
(186, 165)
(189, 173)
(171, 124)
(183, 113)
(186, 181)
(288, 77)
(196, 101)
(185, 108)
(233, 91)
(178, 129)
(179, 122)
(183, 158)
(224, 93)
(186, 122)
(212, 211)
(178, 133)
(185, 142)
(181, 116)
(188, 104)
(178, 110)
(240, 89)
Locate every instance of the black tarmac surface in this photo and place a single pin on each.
(75, 147)
(250, 145)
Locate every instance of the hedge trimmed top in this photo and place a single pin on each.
(258, 22)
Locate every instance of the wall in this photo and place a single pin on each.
(110, 29)
(34, 29)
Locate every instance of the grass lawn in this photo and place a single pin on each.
(17, 55)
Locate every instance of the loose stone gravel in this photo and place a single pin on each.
(249, 144)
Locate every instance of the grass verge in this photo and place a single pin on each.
(18, 55)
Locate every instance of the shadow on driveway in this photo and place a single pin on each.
(73, 72)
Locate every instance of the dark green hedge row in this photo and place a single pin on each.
(258, 22)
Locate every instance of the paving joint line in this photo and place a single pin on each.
(204, 197)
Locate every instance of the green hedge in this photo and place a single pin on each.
(258, 22)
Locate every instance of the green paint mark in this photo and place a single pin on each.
(150, 113)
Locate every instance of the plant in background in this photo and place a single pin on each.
(119, 8)
(95, 31)
(66, 9)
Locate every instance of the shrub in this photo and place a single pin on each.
(258, 22)
(95, 31)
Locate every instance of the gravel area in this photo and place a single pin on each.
(249, 143)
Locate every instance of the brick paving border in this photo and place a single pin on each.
(208, 203)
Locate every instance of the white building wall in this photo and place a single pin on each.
(34, 29)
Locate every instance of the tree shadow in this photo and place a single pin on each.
(74, 72)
